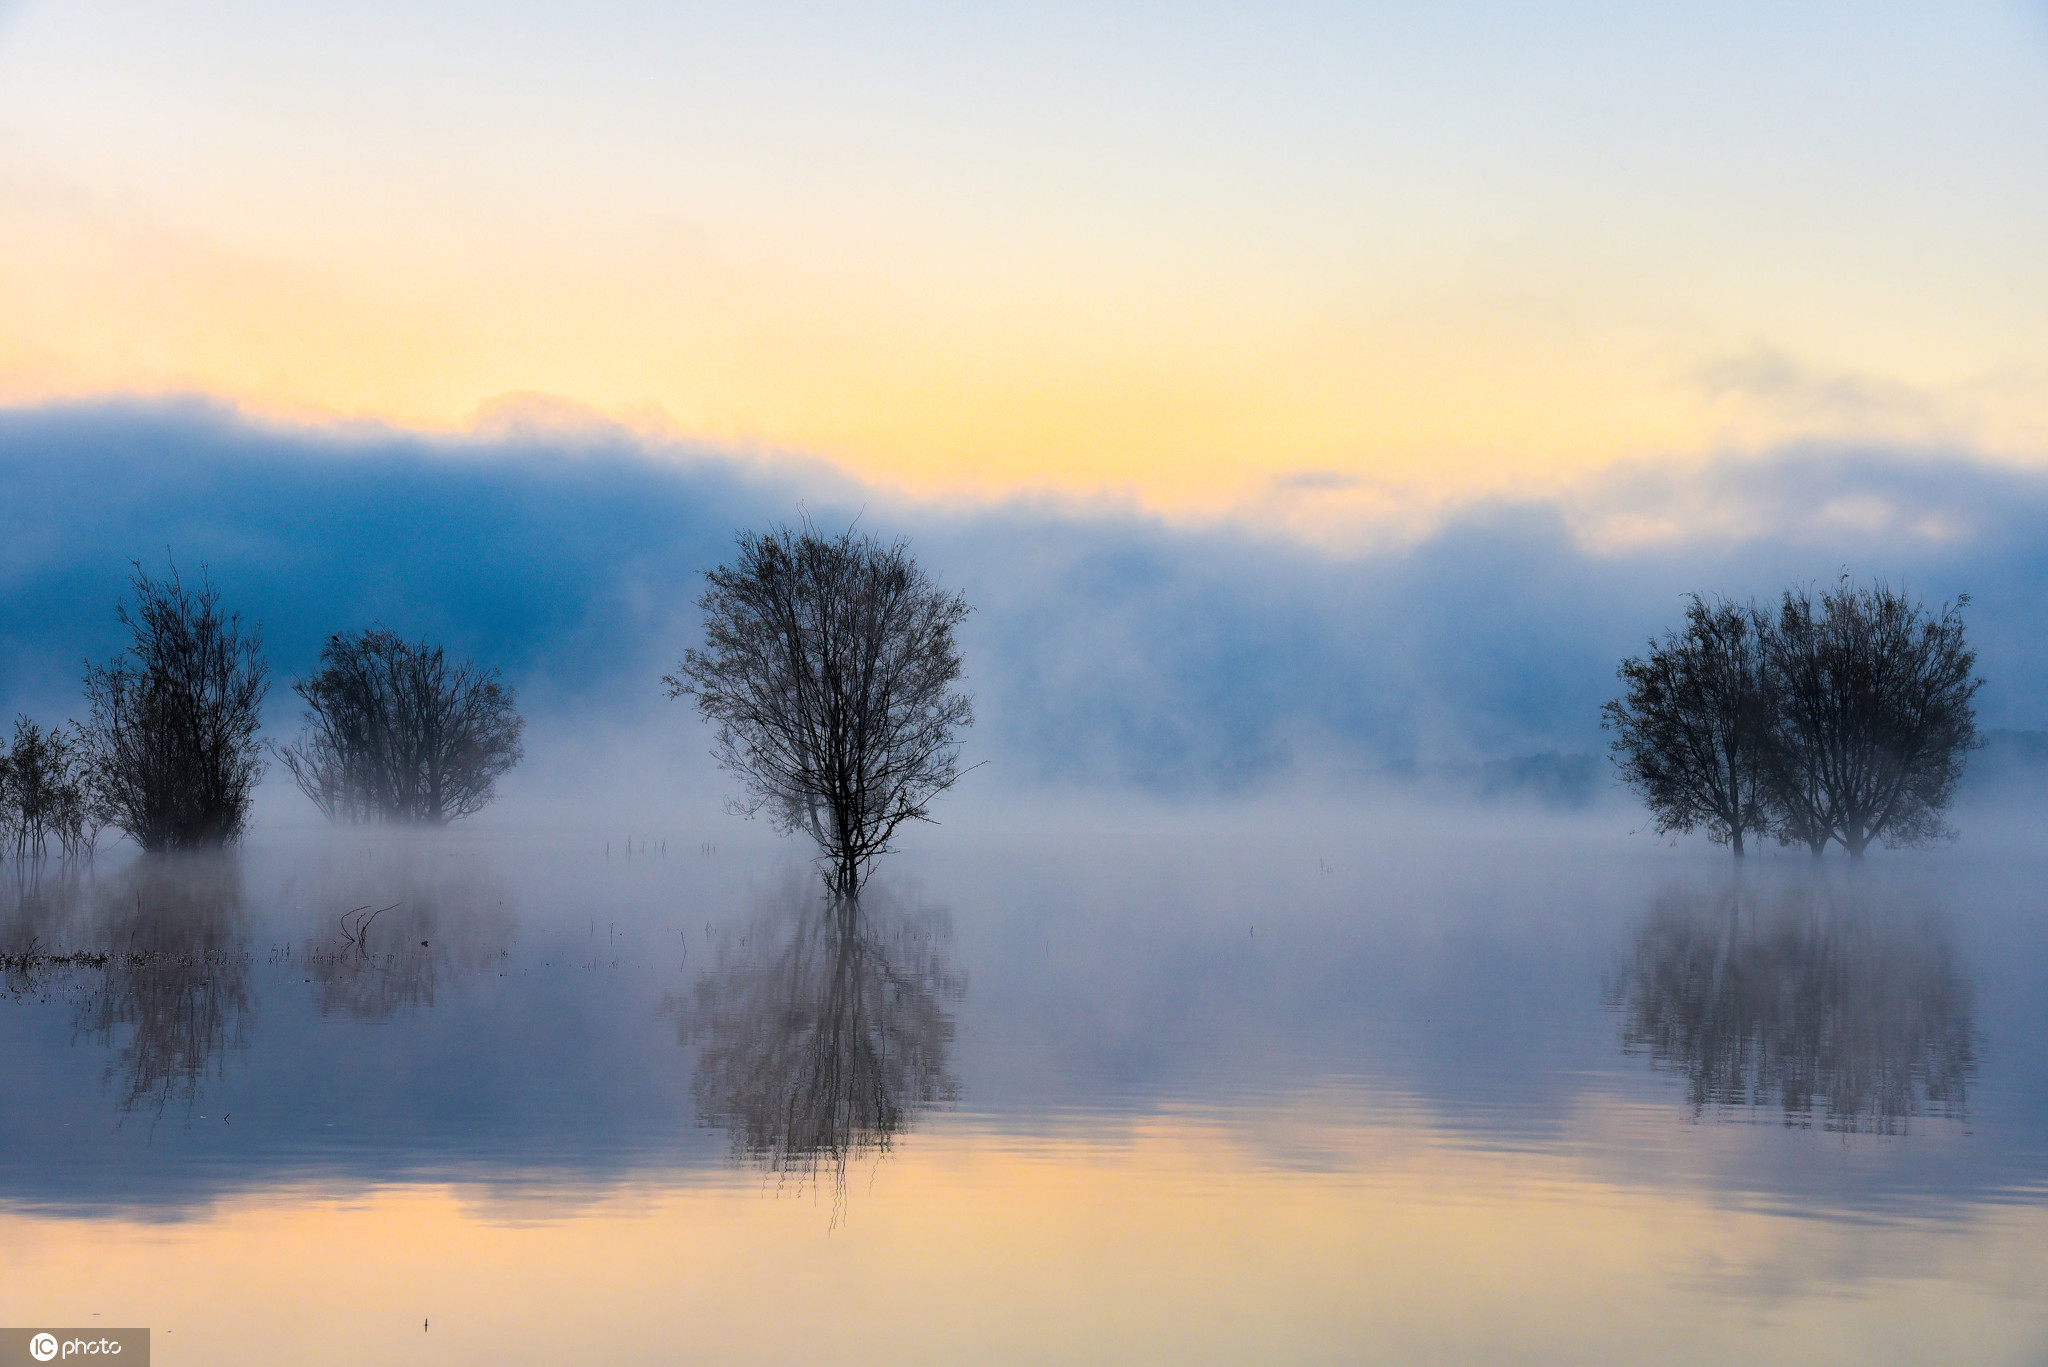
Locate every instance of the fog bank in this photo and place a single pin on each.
(1110, 650)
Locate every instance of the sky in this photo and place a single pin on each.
(1300, 264)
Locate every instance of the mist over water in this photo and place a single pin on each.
(1291, 981)
(1528, 1025)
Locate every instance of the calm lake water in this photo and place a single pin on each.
(1537, 1094)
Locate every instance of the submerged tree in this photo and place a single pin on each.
(1690, 733)
(47, 793)
(396, 733)
(172, 734)
(1872, 715)
(828, 668)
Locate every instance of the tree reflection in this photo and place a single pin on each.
(156, 956)
(1839, 1008)
(40, 915)
(823, 1031)
(392, 934)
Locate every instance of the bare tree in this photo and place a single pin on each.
(46, 793)
(172, 735)
(1691, 730)
(828, 668)
(1871, 700)
(396, 733)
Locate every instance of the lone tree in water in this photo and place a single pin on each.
(828, 668)
(1690, 734)
(396, 733)
(172, 734)
(1872, 715)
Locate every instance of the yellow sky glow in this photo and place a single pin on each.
(1434, 263)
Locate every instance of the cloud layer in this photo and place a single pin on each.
(1108, 647)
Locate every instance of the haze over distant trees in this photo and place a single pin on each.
(828, 669)
(171, 737)
(1111, 650)
(394, 732)
(47, 793)
(1845, 719)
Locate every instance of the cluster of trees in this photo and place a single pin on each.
(395, 732)
(48, 800)
(829, 670)
(169, 753)
(1844, 718)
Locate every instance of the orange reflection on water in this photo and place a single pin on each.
(1168, 1239)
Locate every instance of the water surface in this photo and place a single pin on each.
(1327, 1095)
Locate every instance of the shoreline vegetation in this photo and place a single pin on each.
(828, 670)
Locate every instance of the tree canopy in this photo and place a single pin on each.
(1843, 719)
(172, 731)
(395, 732)
(828, 668)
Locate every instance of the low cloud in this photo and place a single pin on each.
(1108, 648)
